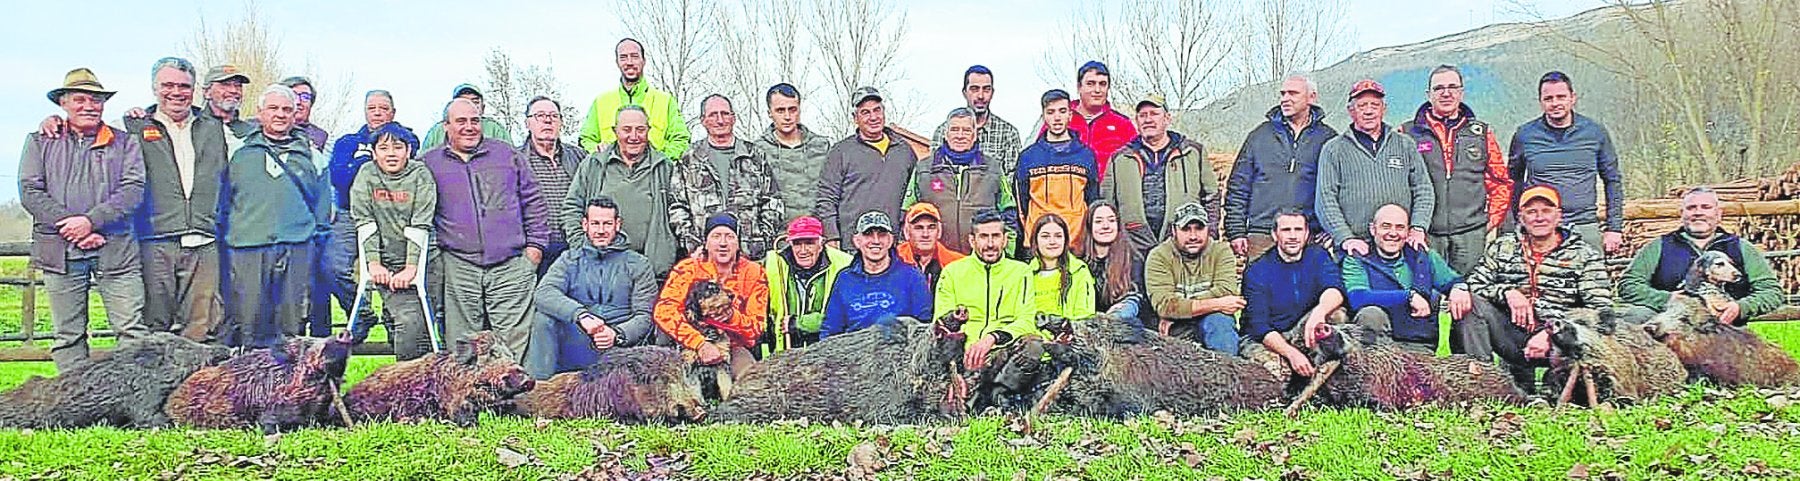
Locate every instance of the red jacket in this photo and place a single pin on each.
(1105, 134)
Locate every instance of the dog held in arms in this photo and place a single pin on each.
(708, 306)
(1722, 353)
(125, 387)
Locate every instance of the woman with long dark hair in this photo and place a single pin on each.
(1060, 283)
(1119, 283)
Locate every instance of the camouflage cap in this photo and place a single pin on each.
(1188, 213)
(874, 219)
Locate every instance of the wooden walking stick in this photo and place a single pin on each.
(1312, 388)
(1056, 387)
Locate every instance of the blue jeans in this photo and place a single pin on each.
(557, 346)
(1215, 331)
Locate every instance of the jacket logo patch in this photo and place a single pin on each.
(1474, 153)
(395, 196)
(937, 185)
(1396, 163)
(152, 134)
(1424, 146)
(1477, 129)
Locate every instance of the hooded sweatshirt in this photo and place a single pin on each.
(395, 204)
(1059, 178)
(859, 299)
(610, 282)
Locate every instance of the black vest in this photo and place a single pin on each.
(1678, 256)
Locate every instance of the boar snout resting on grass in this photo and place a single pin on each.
(1374, 373)
(1622, 364)
(633, 384)
(898, 371)
(124, 388)
(1119, 369)
(275, 392)
(453, 386)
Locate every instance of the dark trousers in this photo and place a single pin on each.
(334, 275)
(1508, 341)
(268, 295)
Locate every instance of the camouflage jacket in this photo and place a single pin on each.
(748, 190)
(1573, 275)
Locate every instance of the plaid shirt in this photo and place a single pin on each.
(999, 142)
(553, 176)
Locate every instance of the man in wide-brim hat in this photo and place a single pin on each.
(81, 188)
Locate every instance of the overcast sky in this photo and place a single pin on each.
(420, 49)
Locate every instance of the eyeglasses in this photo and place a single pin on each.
(304, 96)
(1446, 87)
(545, 116)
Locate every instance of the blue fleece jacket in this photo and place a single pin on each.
(859, 299)
(1278, 294)
(352, 151)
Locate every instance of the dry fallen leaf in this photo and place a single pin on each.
(1578, 471)
(865, 459)
(509, 458)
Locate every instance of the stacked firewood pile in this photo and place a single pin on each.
(1764, 211)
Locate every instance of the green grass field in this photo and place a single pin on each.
(1704, 434)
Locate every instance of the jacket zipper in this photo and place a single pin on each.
(475, 196)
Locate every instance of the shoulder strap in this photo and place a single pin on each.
(312, 198)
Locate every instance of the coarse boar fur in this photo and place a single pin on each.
(1374, 373)
(632, 384)
(1120, 369)
(455, 386)
(1722, 353)
(897, 371)
(287, 387)
(1626, 365)
(125, 387)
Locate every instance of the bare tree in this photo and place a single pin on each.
(676, 43)
(1711, 78)
(1178, 48)
(511, 85)
(250, 42)
(247, 42)
(500, 99)
(1291, 36)
(1089, 36)
(1185, 57)
(858, 44)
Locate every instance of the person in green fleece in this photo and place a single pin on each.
(393, 201)
(1659, 267)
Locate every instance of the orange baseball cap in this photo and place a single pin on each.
(1545, 192)
(922, 209)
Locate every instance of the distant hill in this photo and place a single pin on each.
(1501, 64)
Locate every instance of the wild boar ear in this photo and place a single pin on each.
(1607, 321)
(464, 351)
